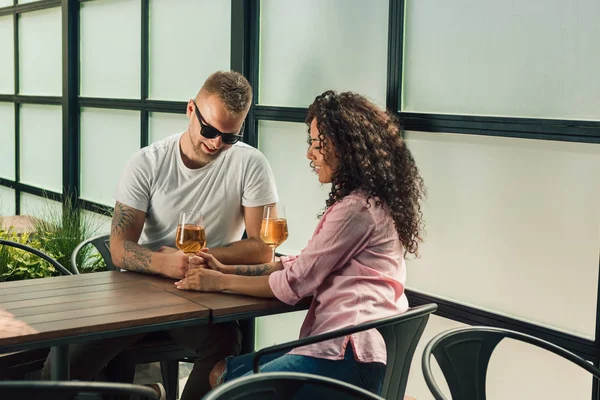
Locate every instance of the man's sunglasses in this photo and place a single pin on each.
(210, 132)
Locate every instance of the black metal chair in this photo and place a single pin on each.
(17, 365)
(148, 350)
(102, 244)
(59, 267)
(49, 390)
(464, 354)
(401, 334)
(285, 385)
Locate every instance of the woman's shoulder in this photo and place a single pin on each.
(361, 202)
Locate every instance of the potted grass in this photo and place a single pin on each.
(54, 230)
(60, 231)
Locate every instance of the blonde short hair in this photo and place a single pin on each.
(232, 88)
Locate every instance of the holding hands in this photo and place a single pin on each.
(206, 277)
(180, 263)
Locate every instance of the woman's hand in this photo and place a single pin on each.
(202, 280)
(209, 261)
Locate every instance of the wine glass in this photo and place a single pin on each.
(274, 229)
(190, 237)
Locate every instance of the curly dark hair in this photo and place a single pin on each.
(372, 156)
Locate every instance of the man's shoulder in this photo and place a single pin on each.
(245, 152)
(158, 150)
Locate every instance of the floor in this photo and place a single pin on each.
(150, 373)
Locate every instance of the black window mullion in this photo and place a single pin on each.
(395, 51)
(70, 107)
(17, 112)
(144, 72)
(244, 55)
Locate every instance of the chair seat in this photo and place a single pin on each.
(16, 365)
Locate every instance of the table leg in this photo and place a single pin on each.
(59, 362)
(247, 326)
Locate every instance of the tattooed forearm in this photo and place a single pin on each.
(253, 270)
(136, 257)
(122, 219)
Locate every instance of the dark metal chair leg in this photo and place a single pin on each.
(59, 361)
(247, 326)
(170, 372)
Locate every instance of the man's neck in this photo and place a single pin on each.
(188, 155)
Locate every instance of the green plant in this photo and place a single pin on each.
(60, 231)
(17, 264)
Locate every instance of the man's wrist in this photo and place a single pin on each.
(225, 282)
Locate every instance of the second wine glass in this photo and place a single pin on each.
(274, 229)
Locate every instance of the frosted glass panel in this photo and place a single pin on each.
(26, 1)
(7, 138)
(6, 3)
(7, 66)
(108, 139)
(516, 371)
(309, 46)
(41, 146)
(181, 59)
(416, 386)
(513, 226)
(537, 58)
(39, 206)
(538, 374)
(7, 201)
(100, 223)
(161, 125)
(280, 328)
(40, 52)
(284, 145)
(110, 48)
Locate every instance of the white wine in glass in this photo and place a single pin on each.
(274, 229)
(190, 237)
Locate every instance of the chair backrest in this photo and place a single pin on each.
(102, 244)
(464, 354)
(50, 390)
(59, 267)
(287, 385)
(401, 340)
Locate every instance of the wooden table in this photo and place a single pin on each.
(71, 309)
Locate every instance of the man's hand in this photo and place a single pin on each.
(167, 250)
(201, 279)
(180, 263)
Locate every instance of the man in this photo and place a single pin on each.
(204, 168)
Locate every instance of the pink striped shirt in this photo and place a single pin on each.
(354, 268)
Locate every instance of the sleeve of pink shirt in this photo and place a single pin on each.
(345, 231)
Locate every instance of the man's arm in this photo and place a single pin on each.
(248, 251)
(126, 253)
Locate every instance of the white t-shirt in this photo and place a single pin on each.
(157, 182)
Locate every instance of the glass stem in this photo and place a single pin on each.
(273, 250)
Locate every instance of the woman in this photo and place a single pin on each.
(354, 264)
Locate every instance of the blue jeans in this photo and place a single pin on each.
(368, 376)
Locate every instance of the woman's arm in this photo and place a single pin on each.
(207, 280)
(249, 270)
(253, 270)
